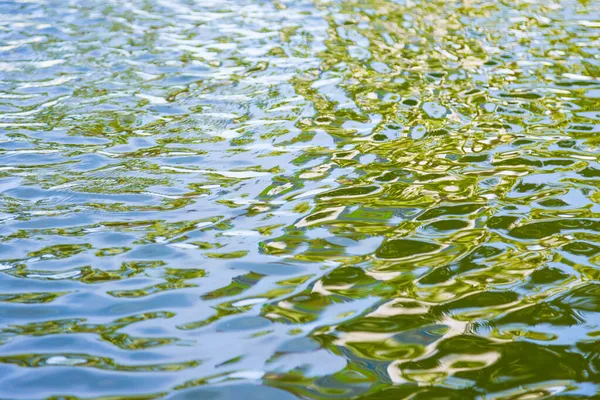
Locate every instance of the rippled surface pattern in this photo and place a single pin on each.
(289, 199)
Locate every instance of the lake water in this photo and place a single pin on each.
(286, 199)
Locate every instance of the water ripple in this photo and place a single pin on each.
(299, 199)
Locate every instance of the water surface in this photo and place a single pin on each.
(291, 199)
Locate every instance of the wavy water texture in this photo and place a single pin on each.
(310, 199)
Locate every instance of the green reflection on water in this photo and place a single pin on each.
(315, 199)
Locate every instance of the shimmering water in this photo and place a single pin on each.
(286, 199)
